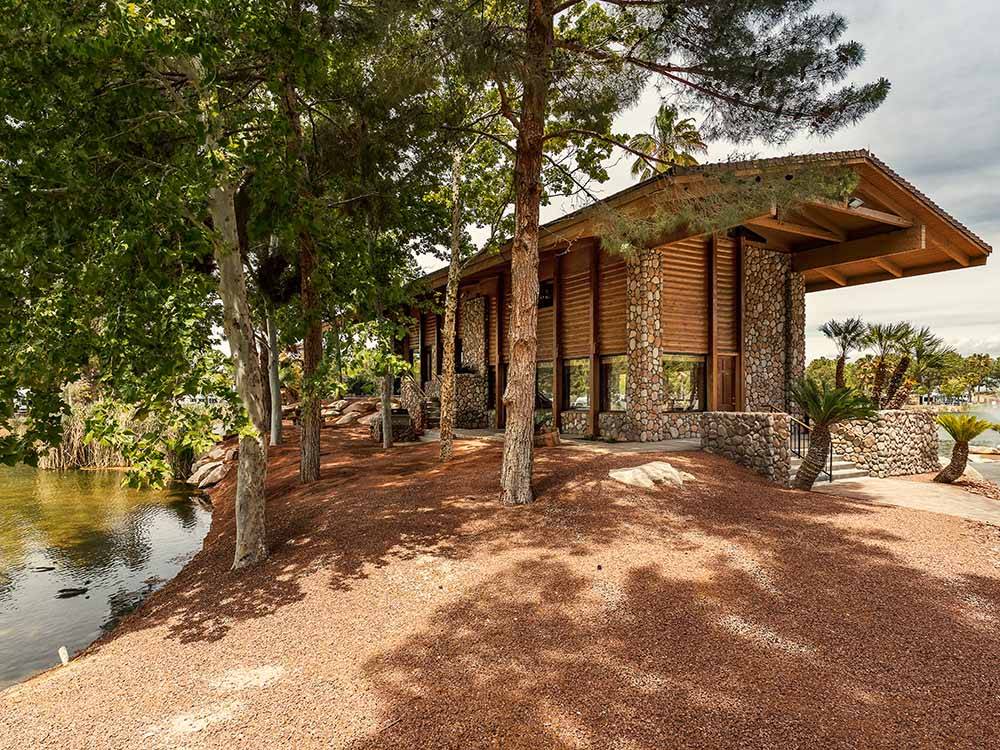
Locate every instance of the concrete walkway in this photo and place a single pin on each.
(936, 498)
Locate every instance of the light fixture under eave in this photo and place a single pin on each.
(855, 202)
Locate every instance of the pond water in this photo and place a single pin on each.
(77, 552)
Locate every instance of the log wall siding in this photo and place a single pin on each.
(430, 327)
(545, 351)
(727, 291)
(612, 307)
(684, 297)
(574, 299)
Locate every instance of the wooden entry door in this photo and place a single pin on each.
(725, 383)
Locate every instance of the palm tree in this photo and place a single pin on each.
(885, 339)
(673, 142)
(923, 355)
(963, 428)
(825, 407)
(847, 335)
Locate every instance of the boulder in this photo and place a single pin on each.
(215, 476)
(348, 419)
(340, 405)
(359, 407)
(649, 475)
(369, 418)
(203, 471)
(232, 454)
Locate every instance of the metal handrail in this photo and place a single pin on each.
(798, 441)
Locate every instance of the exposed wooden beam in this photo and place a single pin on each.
(864, 213)
(817, 217)
(948, 265)
(956, 255)
(879, 245)
(887, 265)
(834, 275)
(790, 227)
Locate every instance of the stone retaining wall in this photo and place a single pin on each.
(757, 440)
(896, 443)
(677, 425)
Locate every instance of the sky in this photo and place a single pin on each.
(939, 128)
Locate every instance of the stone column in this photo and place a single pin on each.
(644, 390)
(473, 334)
(795, 334)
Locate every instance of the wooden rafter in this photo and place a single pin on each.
(834, 275)
(887, 265)
(867, 248)
(789, 227)
(818, 218)
(870, 214)
(956, 255)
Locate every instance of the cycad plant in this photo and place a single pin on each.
(963, 429)
(825, 407)
(673, 142)
(847, 336)
(886, 339)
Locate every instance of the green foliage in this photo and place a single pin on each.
(725, 198)
(827, 406)
(848, 335)
(823, 370)
(673, 142)
(963, 428)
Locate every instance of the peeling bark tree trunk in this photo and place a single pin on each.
(956, 467)
(519, 397)
(265, 369)
(251, 546)
(878, 383)
(815, 460)
(274, 379)
(840, 379)
(450, 310)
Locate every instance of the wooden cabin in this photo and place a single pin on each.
(638, 348)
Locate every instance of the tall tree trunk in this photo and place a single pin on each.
(841, 379)
(450, 310)
(338, 357)
(265, 370)
(902, 395)
(816, 458)
(519, 396)
(312, 341)
(387, 410)
(878, 383)
(273, 378)
(956, 467)
(312, 355)
(896, 381)
(251, 543)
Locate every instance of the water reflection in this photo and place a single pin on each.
(77, 552)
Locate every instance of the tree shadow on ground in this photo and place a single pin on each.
(751, 617)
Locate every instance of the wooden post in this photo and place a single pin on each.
(593, 423)
(500, 384)
(712, 376)
(556, 342)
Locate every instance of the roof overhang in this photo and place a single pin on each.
(887, 230)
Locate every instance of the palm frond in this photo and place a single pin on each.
(828, 406)
(963, 428)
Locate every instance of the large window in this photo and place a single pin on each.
(576, 384)
(546, 294)
(614, 376)
(544, 383)
(684, 382)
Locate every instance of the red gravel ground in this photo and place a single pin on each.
(402, 607)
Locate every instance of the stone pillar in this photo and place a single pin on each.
(774, 348)
(644, 390)
(473, 334)
(795, 334)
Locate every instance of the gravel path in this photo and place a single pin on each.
(403, 608)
